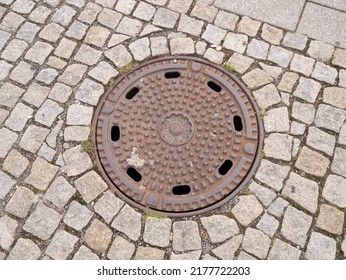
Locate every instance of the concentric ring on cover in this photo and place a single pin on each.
(178, 135)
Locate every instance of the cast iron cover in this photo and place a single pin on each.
(178, 135)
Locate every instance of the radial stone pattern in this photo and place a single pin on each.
(178, 135)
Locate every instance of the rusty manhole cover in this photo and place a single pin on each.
(178, 135)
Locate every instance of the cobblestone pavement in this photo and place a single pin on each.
(56, 60)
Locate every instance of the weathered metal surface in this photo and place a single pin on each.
(178, 135)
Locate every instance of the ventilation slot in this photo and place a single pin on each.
(225, 167)
(214, 86)
(134, 174)
(132, 93)
(172, 75)
(238, 124)
(115, 133)
(181, 190)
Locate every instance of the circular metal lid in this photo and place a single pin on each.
(178, 135)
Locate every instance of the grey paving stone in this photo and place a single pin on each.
(60, 192)
(335, 96)
(129, 26)
(108, 206)
(339, 164)
(342, 135)
(312, 162)
(42, 222)
(6, 184)
(283, 251)
(33, 138)
(335, 190)
(89, 92)
(40, 14)
(342, 78)
(60, 92)
(257, 49)
(268, 224)
(256, 242)
(8, 227)
(41, 174)
(288, 81)
(248, 26)
(149, 253)
(51, 32)
(22, 73)
(77, 216)
(89, 13)
(227, 250)
(108, 18)
(295, 225)
(324, 73)
(214, 56)
(321, 140)
(8, 138)
(319, 22)
(77, 30)
(165, 18)
(96, 36)
(19, 116)
(302, 64)
(20, 203)
(320, 247)
(46, 152)
(214, 34)
(61, 245)
(159, 46)
(219, 227)
(236, 42)
(295, 41)
(303, 191)
(303, 112)
(150, 29)
(5, 69)
(140, 49)
(77, 161)
(63, 15)
(257, 78)
(190, 25)
(296, 145)
(85, 253)
(56, 62)
(226, 20)
(273, 71)
(338, 4)
(339, 58)
(277, 120)
(280, 13)
(307, 89)
(265, 195)
(204, 11)
(272, 174)
(330, 219)
(73, 74)
(240, 63)
(128, 221)
(182, 46)
(65, 48)
(4, 36)
(24, 249)
(121, 249)
(280, 56)
(48, 113)
(3, 115)
(47, 75)
(11, 22)
(52, 137)
(76, 133)
(321, 51)
(267, 96)
(23, 6)
(90, 186)
(145, 11)
(329, 117)
(278, 207)
(14, 50)
(186, 236)
(119, 56)
(201, 47)
(98, 236)
(157, 231)
(278, 146)
(39, 52)
(79, 115)
(247, 209)
(103, 72)
(271, 34)
(125, 6)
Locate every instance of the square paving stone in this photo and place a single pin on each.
(3, 115)
(324, 73)
(335, 190)
(182, 46)
(20, 203)
(257, 49)
(247, 209)
(267, 96)
(33, 138)
(61, 245)
(19, 116)
(339, 163)
(8, 227)
(65, 48)
(330, 219)
(190, 25)
(39, 52)
(302, 64)
(8, 138)
(295, 41)
(108, 206)
(128, 221)
(278, 207)
(265, 195)
(42, 222)
(14, 50)
(257, 78)
(98, 236)
(60, 92)
(22, 73)
(77, 30)
(96, 36)
(303, 112)
(36, 94)
(280, 56)
(240, 63)
(330, 117)
(321, 51)
(63, 15)
(339, 58)
(283, 251)
(148, 253)
(236, 42)
(90, 12)
(90, 186)
(131, 27)
(48, 113)
(320, 247)
(4, 36)
(11, 22)
(165, 18)
(219, 227)
(41, 174)
(60, 192)
(268, 224)
(288, 81)
(186, 236)
(119, 56)
(312, 162)
(89, 92)
(77, 161)
(204, 11)
(103, 72)
(85, 253)
(144, 11)
(140, 49)
(125, 6)
(226, 20)
(227, 250)
(321, 140)
(77, 216)
(47, 75)
(40, 14)
(214, 34)
(76, 133)
(248, 26)
(51, 32)
(6, 183)
(157, 231)
(307, 89)
(277, 120)
(23, 6)
(79, 115)
(214, 56)
(335, 96)
(256, 242)
(121, 249)
(24, 249)
(5, 69)
(271, 34)
(278, 146)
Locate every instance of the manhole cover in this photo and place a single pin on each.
(178, 135)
